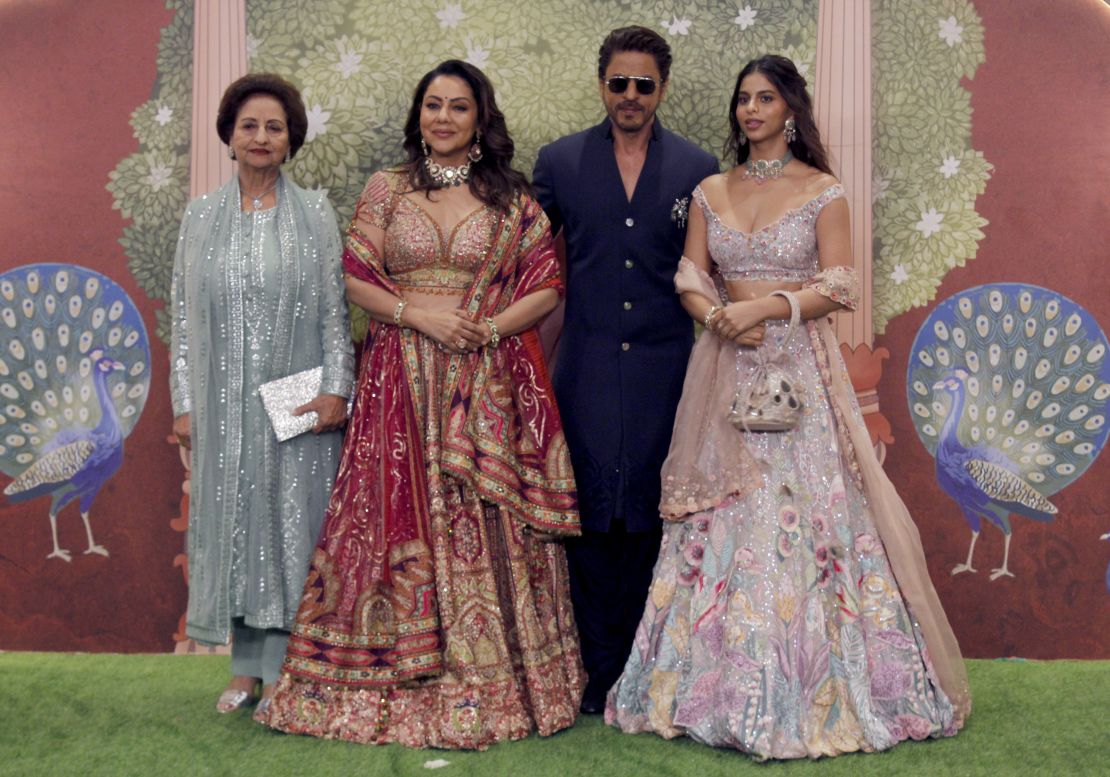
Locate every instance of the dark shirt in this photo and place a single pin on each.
(626, 338)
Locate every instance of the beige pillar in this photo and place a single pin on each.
(219, 57)
(842, 101)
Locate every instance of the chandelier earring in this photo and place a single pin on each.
(424, 147)
(475, 152)
(742, 138)
(791, 131)
(231, 153)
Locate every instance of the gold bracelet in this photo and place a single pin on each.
(708, 320)
(397, 311)
(495, 336)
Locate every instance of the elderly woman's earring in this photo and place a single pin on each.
(288, 155)
(791, 131)
(424, 147)
(231, 153)
(475, 152)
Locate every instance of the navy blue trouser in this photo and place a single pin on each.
(610, 573)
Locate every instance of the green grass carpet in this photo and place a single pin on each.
(90, 715)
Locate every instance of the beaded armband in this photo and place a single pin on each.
(840, 284)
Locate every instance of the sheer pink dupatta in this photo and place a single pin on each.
(708, 462)
(897, 531)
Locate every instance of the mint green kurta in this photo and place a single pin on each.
(256, 296)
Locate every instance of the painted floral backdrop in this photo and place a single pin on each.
(356, 60)
(926, 174)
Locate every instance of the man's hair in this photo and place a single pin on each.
(635, 39)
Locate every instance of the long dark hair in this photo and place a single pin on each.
(781, 72)
(493, 179)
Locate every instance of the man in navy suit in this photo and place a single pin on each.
(620, 193)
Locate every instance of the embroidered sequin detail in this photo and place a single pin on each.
(785, 250)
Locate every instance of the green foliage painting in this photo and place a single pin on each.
(356, 62)
(926, 175)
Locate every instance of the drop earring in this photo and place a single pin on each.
(791, 131)
(475, 152)
(742, 138)
(424, 147)
(231, 153)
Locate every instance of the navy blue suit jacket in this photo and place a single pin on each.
(626, 338)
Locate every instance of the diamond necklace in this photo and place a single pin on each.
(443, 176)
(256, 202)
(763, 170)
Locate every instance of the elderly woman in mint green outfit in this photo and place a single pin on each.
(257, 295)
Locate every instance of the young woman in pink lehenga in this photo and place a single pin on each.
(791, 613)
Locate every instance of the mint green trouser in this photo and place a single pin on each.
(257, 652)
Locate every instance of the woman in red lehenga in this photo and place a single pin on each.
(436, 611)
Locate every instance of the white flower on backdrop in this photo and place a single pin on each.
(930, 222)
(745, 17)
(317, 122)
(950, 167)
(677, 26)
(450, 15)
(160, 175)
(350, 62)
(476, 54)
(951, 31)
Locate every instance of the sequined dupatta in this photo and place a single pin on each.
(708, 462)
(369, 616)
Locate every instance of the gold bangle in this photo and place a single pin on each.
(397, 311)
(495, 336)
(708, 320)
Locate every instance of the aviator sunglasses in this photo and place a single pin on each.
(619, 84)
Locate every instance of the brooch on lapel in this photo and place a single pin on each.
(680, 210)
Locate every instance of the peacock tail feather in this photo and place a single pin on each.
(52, 318)
(1005, 487)
(56, 466)
(1036, 384)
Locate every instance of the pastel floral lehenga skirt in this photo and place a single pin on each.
(774, 623)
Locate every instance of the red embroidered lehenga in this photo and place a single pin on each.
(436, 611)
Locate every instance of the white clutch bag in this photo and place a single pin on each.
(282, 396)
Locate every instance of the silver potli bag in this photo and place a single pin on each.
(772, 400)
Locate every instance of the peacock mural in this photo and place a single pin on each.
(1008, 386)
(74, 377)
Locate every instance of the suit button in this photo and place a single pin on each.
(628, 264)
(625, 346)
(628, 306)
(628, 222)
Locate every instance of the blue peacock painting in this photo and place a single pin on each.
(74, 377)
(1008, 386)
